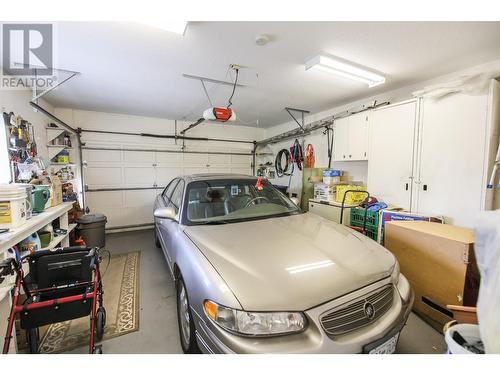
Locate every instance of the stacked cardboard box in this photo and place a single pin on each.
(438, 260)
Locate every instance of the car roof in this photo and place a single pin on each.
(214, 176)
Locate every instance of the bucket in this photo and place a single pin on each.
(12, 206)
(470, 332)
(92, 229)
(28, 188)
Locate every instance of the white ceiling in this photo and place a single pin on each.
(136, 69)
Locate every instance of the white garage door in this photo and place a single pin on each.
(122, 183)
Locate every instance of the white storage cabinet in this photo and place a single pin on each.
(351, 137)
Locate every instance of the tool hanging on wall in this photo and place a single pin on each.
(280, 171)
(329, 136)
(309, 159)
(292, 157)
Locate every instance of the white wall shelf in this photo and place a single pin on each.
(59, 239)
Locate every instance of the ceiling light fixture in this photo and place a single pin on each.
(344, 69)
(178, 27)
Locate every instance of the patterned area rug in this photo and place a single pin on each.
(121, 300)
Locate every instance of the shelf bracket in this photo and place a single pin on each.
(302, 113)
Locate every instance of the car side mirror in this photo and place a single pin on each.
(165, 213)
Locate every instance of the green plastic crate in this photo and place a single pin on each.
(372, 233)
(358, 215)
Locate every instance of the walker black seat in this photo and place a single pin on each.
(66, 272)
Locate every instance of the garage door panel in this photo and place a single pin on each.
(102, 156)
(219, 168)
(139, 176)
(139, 157)
(195, 159)
(168, 158)
(140, 198)
(241, 159)
(166, 174)
(219, 159)
(247, 171)
(103, 176)
(195, 170)
(118, 217)
(129, 169)
(99, 199)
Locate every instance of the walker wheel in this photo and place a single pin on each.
(100, 322)
(97, 350)
(32, 336)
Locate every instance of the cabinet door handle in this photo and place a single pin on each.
(344, 156)
(424, 187)
(350, 156)
(406, 186)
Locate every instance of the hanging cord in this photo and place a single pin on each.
(230, 103)
(329, 131)
(280, 171)
(109, 260)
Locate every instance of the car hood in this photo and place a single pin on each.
(291, 263)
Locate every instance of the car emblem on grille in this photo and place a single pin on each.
(369, 310)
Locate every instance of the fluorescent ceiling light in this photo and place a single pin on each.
(178, 27)
(344, 69)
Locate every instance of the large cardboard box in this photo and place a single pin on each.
(438, 260)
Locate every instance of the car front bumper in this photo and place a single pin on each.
(213, 339)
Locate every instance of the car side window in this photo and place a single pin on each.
(176, 199)
(167, 193)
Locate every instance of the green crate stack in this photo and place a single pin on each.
(372, 217)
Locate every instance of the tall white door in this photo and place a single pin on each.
(341, 139)
(358, 134)
(391, 153)
(453, 140)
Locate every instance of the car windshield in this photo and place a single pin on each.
(231, 200)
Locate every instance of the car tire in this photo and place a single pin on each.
(157, 240)
(187, 330)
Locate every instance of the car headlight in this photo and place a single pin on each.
(401, 283)
(404, 288)
(395, 273)
(255, 323)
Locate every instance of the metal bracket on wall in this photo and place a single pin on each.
(302, 113)
(304, 130)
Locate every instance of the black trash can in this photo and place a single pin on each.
(91, 228)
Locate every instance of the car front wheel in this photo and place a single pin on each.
(185, 320)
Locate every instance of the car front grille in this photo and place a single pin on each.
(357, 313)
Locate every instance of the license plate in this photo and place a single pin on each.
(387, 347)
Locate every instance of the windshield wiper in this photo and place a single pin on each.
(214, 222)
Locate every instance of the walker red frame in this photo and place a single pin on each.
(95, 295)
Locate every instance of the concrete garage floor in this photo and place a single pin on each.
(158, 331)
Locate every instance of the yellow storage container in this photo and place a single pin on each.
(352, 197)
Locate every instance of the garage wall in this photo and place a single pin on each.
(131, 165)
(358, 170)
